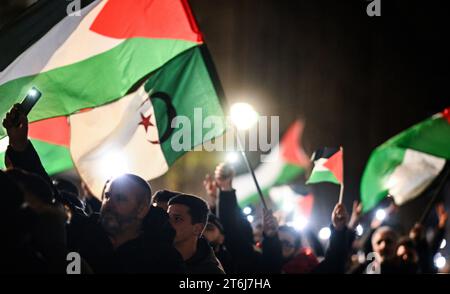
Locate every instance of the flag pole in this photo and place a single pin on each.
(341, 192)
(436, 193)
(221, 93)
(250, 168)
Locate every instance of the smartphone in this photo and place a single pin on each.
(30, 100)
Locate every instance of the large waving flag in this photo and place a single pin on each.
(285, 162)
(91, 58)
(407, 164)
(135, 134)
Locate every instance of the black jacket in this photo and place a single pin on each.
(151, 252)
(204, 261)
(338, 252)
(225, 258)
(426, 251)
(239, 240)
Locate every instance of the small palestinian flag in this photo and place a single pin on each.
(328, 166)
(293, 198)
(284, 164)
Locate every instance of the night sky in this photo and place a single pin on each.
(355, 80)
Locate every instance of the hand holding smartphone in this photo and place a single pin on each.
(30, 100)
(27, 104)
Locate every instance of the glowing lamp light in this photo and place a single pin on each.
(324, 233)
(232, 157)
(113, 164)
(243, 116)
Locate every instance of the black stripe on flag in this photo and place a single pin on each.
(19, 34)
(324, 152)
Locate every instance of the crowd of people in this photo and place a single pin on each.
(133, 231)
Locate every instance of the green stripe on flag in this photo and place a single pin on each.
(188, 83)
(322, 176)
(54, 158)
(381, 165)
(92, 82)
(431, 136)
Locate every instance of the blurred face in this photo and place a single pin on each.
(181, 221)
(383, 243)
(213, 234)
(407, 254)
(287, 244)
(123, 206)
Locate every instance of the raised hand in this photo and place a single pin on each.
(270, 225)
(211, 190)
(16, 125)
(223, 175)
(339, 217)
(416, 232)
(356, 215)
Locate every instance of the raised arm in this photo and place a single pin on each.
(20, 152)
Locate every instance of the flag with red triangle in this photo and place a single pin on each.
(113, 78)
(328, 166)
(285, 163)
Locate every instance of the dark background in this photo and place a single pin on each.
(355, 80)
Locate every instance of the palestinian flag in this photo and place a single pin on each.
(135, 133)
(294, 199)
(328, 166)
(284, 164)
(88, 60)
(407, 164)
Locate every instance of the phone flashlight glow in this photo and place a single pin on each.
(33, 92)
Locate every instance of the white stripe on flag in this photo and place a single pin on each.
(266, 174)
(319, 165)
(68, 42)
(413, 175)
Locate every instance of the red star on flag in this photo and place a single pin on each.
(146, 121)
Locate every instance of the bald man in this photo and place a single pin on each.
(384, 242)
(129, 235)
(126, 202)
